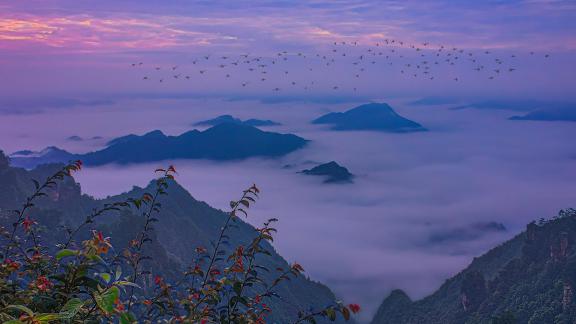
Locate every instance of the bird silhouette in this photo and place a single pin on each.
(389, 58)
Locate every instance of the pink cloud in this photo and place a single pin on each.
(75, 33)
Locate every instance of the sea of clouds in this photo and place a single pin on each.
(398, 225)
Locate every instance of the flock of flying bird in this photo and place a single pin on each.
(306, 71)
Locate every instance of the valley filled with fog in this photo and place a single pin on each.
(440, 197)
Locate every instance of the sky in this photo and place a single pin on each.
(90, 44)
(68, 70)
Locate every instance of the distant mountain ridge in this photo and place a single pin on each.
(466, 233)
(332, 172)
(528, 279)
(30, 159)
(372, 116)
(225, 141)
(567, 113)
(230, 119)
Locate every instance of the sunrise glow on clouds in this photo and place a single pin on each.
(122, 33)
(146, 25)
(83, 32)
(114, 34)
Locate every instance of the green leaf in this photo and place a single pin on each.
(126, 283)
(66, 253)
(106, 300)
(22, 309)
(46, 318)
(96, 258)
(105, 276)
(13, 322)
(137, 203)
(88, 282)
(331, 313)
(71, 308)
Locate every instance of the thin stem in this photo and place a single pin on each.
(143, 235)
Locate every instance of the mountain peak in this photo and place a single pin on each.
(375, 106)
(154, 133)
(231, 126)
(397, 302)
(229, 119)
(538, 262)
(371, 116)
(562, 113)
(227, 141)
(185, 222)
(219, 120)
(334, 172)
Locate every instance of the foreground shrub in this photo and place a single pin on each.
(89, 281)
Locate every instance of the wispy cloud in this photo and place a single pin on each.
(410, 220)
(144, 25)
(88, 33)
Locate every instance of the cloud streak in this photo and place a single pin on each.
(535, 25)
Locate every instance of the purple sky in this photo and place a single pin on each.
(69, 62)
(71, 48)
